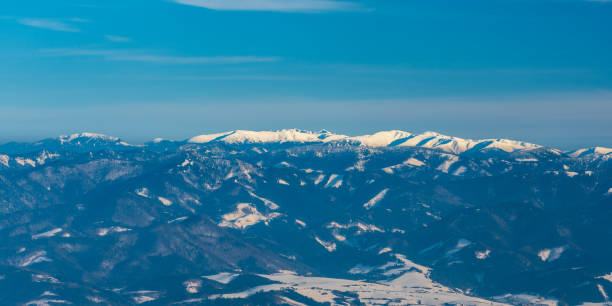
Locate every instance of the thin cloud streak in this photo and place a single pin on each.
(194, 60)
(143, 57)
(304, 6)
(48, 24)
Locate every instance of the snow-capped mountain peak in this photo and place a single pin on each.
(382, 139)
(280, 136)
(591, 152)
(432, 140)
(87, 136)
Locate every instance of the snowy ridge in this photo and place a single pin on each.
(281, 136)
(381, 139)
(86, 135)
(392, 138)
(591, 152)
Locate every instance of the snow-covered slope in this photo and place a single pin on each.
(594, 152)
(86, 137)
(281, 136)
(82, 142)
(381, 139)
(409, 284)
(224, 221)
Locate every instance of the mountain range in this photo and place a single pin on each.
(296, 217)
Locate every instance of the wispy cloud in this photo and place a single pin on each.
(49, 24)
(115, 38)
(147, 57)
(306, 6)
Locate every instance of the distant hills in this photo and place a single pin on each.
(296, 217)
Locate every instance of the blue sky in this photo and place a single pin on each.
(537, 70)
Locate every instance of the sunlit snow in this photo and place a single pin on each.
(377, 198)
(223, 277)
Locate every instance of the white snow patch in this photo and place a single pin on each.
(287, 301)
(571, 173)
(4, 159)
(95, 299)
(44, 278)
(244, 216)
(377, 198)
(414, 162)
(460, 171)
(549, 255)
(607, 277)
(179, 219)
(483, 254)
(271, 205)
(164, 201)
(334, 181)
(319, 179)
(143, 192)
(361, 227)
(339, 237)
(44, 156)
(112, 229)
(433, 216)
(207, 138)
(144, 296)
(461, 243)
(451, 159)
(602, 291)
(360, 269)
(525, 299)
(223, 277)
(47, 234)
(388, 170)
(412, 287)
(409, 162)
(192, 286)
(32, 258)
(359, 166)
(23, 161)
(284, 164)
(46, 302)
(384, 250)
(329, 246)
(526, 160)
